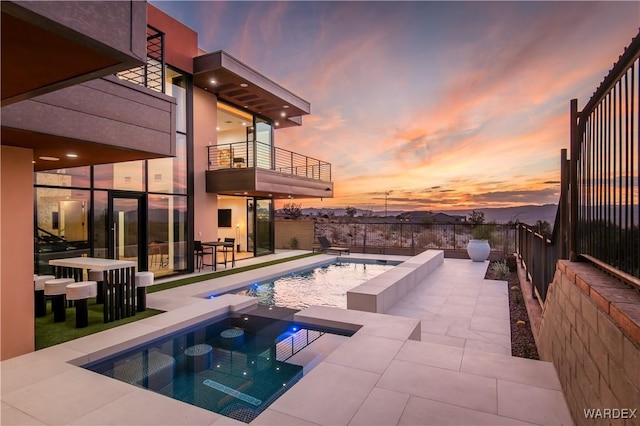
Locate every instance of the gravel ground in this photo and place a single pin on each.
(522, 342)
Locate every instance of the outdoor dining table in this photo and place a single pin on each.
(214, 245)
(118, 290)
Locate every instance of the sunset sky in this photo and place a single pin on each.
(445, 105)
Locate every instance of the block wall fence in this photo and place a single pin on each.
(590, 330)
(302, 230)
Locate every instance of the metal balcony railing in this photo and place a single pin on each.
(151, 74)
(264, 156)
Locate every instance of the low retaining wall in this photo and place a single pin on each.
(381, 293)
(590, 330)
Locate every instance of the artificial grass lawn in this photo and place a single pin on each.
(217, 274)
(48, 333)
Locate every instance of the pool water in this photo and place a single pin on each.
(325, 285)
(235, 366)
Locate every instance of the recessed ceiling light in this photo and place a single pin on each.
(212, 81)
(285, 106)
(246, 106)
(244, 124)
(244, 85)
(283, 114)
(33, 162)
(277, 124)
(72, 155)
(49, 158)
(206, 88)
(217, 128)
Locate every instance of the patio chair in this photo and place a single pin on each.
(325, 246)
(200, 252)
(228, 247)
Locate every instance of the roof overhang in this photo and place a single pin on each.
(49, 45)
(102, 121)
(234, 82)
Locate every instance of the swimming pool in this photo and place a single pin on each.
(236, 366)
(326, 285)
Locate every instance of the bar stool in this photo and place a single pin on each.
(81, 292)
(57, 289)
(143, 280)
(40, 304)
(98, 277)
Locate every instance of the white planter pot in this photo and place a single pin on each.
(478, 250)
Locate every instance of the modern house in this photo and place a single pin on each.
(130, 144)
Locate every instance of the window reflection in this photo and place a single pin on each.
(167, 234)
(61, 228)
(127, 176)
(169, 175)
(77, 177)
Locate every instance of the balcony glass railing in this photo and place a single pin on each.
(259, 155)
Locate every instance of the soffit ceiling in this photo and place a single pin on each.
(58, 147)
(234, 82)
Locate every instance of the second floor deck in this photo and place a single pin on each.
(260, 169)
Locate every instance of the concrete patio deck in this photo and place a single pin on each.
(442, 357)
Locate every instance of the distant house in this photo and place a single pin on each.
(447, 218)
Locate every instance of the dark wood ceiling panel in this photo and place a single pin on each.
(33, 58)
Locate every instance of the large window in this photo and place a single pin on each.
(127, 176)
(61, 225)
(72, 210)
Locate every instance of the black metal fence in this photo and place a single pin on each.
(152, 73)
(413, 238)
(539, 255)
(607, 225)
(598, 217)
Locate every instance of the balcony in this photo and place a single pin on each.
(257, 169)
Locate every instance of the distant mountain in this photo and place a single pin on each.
(525, 214)
(529, 214)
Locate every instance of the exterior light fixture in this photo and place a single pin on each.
(72, 155)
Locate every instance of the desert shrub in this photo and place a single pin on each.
(500, 270)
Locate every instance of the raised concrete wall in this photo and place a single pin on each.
(381, 293)
(590, 330)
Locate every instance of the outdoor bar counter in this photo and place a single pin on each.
(118, 291)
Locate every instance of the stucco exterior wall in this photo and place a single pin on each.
(590, 330)
(205, 119)
(16, 252)
(181, 42)
(302, 230)
(238, 229)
